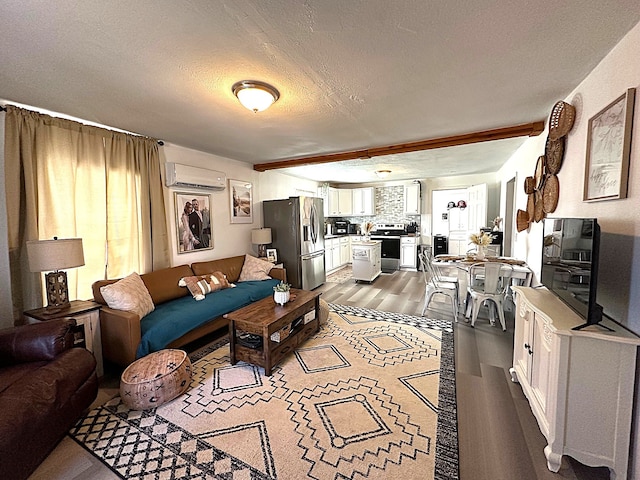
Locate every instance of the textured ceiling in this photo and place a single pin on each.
(352, 74)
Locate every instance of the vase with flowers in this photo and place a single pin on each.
(481, 242)
(496, 224)
(366, 230)
(282, 293)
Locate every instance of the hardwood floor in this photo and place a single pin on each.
(497, 433)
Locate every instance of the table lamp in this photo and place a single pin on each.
(262, 238)
(56, 254)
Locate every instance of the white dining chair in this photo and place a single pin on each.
(436, 285)
(488, 282)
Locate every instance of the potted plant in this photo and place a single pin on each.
(281, 293)
(481, 241)
(366, 231)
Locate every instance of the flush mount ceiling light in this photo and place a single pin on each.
(383, 173)
(254, 95)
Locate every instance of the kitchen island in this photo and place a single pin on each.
(367, 260)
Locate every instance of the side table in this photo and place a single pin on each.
(86, 314)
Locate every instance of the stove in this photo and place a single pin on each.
(389, 229)
(390, 234)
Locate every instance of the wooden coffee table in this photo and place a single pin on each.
(264, 318)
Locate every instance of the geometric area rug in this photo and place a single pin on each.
(370, 396)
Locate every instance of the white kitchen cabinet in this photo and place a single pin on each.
(352, 240)
(332, 259)
(579, 383)
(459, 220)
(459, 247)
(412, 199)
(363, 201)
(339, 202)
(333, 201)
(345, 250)
(409, 252)
(367, 260)
(335, 253)
(345, 202)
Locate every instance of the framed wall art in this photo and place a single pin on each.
(193, 222)
(608, 150)
(241, 201)
(272, 255)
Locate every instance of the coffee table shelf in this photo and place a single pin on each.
(265, 318)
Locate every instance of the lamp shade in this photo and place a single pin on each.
(261, 236)
(56, 254)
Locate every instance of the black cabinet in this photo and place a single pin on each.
(440, 245)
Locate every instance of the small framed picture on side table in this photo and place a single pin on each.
(272, 255)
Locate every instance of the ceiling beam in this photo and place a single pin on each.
(527, 129)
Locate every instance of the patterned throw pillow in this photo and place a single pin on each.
(201, 285)
(255, 269)
(129, 293)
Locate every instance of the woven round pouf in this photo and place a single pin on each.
(324, 312)
(155, 379)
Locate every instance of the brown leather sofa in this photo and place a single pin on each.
(121, 329)
(45, 386)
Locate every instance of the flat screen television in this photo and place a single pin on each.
(570, 254)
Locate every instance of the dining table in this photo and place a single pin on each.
(458, 265)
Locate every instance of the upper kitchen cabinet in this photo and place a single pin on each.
(339, 202)
(412, 199)
(344, 202)
(363, 201)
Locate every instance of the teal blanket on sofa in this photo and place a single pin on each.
(172, 319)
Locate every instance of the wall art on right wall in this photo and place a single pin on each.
(608, 150)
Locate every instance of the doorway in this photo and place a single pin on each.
(509, 217)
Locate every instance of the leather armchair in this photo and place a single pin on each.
(45, 386)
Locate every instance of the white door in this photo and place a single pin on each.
(477, 207)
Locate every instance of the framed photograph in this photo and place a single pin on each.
(241, 201)
(272, 255)
(608, 150)
(193, 222)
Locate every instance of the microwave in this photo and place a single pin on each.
(341, 227)
(353, 229)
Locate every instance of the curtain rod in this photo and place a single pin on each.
(4, 109)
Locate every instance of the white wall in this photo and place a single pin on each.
(619, 276)
(275, 186)
(228, 239)
(619, 219)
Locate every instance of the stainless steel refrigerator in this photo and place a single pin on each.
(297, 234)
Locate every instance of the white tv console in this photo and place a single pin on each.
(579, 383)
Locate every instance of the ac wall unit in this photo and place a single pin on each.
(178, 175)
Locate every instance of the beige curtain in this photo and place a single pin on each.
(67, 179)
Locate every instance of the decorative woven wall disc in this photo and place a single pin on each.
(539, 174)
(561, 119)
(538, 214)
(522, 220)
(554, 152)
(550, 194)
(531, 204)
(529, 185)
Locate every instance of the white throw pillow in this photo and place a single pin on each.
(255, 269)
(129, 293)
